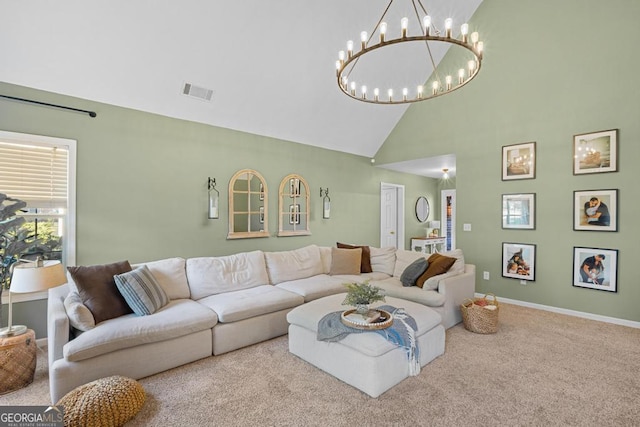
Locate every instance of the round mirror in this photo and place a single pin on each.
(422, 209)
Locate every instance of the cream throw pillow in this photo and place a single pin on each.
(79, 315)
(345, 261)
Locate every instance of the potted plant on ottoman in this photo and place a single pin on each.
(361, 295)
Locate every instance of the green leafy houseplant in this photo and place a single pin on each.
(360, 295)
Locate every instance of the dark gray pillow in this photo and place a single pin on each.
(413, 272)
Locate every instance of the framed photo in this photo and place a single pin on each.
(595, 210)
(519, 211)
(261, 197)
(595, 152)
(261, 215)
(519, 161)
(595, 268)
(519, 261)
(294, 214)
(294, 187)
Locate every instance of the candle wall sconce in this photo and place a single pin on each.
(214, 198)
(326, 203)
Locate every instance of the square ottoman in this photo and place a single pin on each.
(366, 361)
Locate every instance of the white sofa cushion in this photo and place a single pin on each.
(393, 288)
(248, 303)
(214, 275)
(170, 275)
(315, 287)
(383, 260)
(176, 319)
(404, 259)
(325, 257)
(292, 265)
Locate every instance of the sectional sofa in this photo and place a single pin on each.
(218, 304)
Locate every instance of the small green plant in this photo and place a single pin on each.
(362, 293)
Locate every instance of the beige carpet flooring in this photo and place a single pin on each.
(540, 369)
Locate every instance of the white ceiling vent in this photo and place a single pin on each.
(198, 92)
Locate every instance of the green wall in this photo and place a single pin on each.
(142, 184)
(552, 69)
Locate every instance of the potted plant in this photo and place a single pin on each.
(361, 295)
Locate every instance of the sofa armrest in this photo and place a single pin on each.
(57, 323)
(456, 290)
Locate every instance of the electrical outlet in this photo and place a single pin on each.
(485, 275)
(466, 227)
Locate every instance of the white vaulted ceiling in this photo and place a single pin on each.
(270, 64)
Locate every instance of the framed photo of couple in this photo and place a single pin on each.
(595, 210)
(595, 268)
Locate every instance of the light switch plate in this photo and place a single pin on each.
(466, 227)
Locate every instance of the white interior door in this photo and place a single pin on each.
(391, 215)
(448, 218)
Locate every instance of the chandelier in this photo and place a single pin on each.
(426, 87)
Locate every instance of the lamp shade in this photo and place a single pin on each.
(30, 278)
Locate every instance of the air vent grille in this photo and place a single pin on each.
(198, 92)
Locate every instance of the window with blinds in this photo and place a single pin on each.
(41, 171)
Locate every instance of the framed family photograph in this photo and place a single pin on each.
(519, 261)
(519, 211)
(595, 210)
(595, 268)
(519, 161)
(595, 152)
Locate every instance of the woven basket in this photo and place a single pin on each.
(478, 318)
(17, 361)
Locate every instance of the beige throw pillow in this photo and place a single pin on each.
(345, 261)
(79, 315)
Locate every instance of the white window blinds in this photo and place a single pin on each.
(36, 174)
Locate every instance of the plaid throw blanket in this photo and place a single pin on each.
(402, 333)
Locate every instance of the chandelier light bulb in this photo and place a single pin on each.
(405, 92)
(464, 30)
(341, 56)
(480, 48)
(420, 91)
(404, 24)
(435, 86)
(475, 37)
(345, 80)
(472, 66)
(461, 75)
(353, 88)
(376, 94)
(383, 31)
(448, 81)
(390, 93)
(350, 48)
(363, 89)
(338, 65)
(426, 23)
(363, 39)
(448, 23)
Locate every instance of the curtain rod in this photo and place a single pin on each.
(46, 104)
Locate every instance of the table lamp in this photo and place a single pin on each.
(32, 276)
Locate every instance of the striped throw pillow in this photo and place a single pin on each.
(141, 291)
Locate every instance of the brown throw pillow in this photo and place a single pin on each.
(438, 264)
(345, 261)
(98, 290)
(365, 263)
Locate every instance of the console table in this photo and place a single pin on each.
(421, 244)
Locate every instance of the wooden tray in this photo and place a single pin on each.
(354, 320)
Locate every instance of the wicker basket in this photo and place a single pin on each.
(17, 361)
(478, 318)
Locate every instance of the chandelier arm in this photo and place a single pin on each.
(371, 35)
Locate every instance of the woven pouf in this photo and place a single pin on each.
(110, 401)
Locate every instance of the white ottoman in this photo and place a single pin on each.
(366, 361)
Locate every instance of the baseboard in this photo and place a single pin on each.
(591, 316)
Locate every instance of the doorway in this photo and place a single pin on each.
(391, 215)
